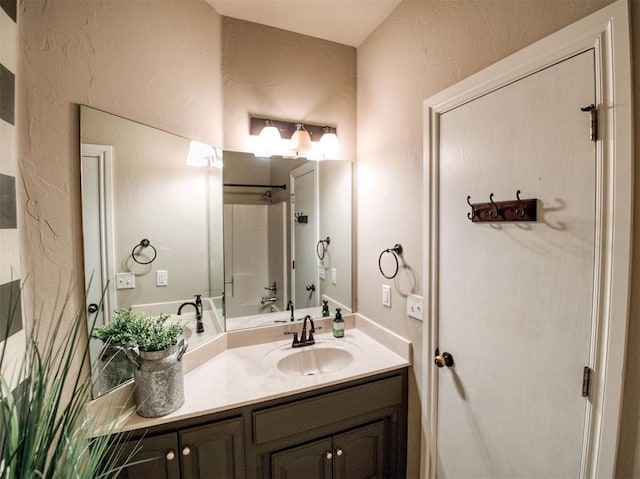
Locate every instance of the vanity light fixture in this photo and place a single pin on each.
(293, 139)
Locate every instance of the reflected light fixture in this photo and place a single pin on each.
(201, 154)
(300, 140)
(329, 144)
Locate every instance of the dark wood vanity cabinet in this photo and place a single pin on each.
(355, 430)
(214, 450)
(357, 454)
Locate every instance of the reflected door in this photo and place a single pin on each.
(97, 230)
(304, 226)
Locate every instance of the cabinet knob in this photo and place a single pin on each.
(171, 456)
(339, 452)
(186, 451)
(329, 455)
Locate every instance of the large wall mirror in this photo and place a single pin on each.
(256, 239)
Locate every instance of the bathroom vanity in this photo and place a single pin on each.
(260, 409)
(354, 430)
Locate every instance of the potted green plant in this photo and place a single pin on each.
(155, 348)
(44, 429)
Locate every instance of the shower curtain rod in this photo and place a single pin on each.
(245, 185)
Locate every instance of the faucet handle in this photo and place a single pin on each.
(295, 337)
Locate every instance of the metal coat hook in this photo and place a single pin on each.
(496, 211)
(474, 211)
(520, 209)
(395, 251)
(144, 243)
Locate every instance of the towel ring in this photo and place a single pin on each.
(324, 244)
(143, 244)
(395, 251)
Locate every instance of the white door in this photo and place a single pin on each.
(305, 291)
(515, 301)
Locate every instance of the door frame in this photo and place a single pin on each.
(607, 32)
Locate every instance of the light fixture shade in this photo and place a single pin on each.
(329, 144)
(269, 139)
(300, 140)
(201, 154)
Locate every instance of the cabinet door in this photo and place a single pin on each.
(359, 454)
(214, 451)
(311, 461)
(158, 458)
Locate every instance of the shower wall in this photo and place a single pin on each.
(255, 257)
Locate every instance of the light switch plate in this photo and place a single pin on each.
(334, 275)
(162, 277)
(414, 306)
(386, 295)
(125, 281)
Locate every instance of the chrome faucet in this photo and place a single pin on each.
(304, 340)
(269, 299)
(197, 304)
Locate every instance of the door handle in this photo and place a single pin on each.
(442, 360)
(311, 287)
(92, 308)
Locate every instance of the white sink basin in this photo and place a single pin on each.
(315, 361)
(324, 357)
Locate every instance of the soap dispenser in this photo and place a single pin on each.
(338, 325)
(325, 308)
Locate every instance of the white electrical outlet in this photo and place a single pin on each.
(321, 272)
(414, 306)
(334, 275)
(125, 281)
(162, 277)
(386, 295)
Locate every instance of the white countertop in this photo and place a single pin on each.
(243, 372)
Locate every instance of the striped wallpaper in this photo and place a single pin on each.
(11, 327)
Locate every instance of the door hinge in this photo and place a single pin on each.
(593, 123)
(293, 264)
(586, 381)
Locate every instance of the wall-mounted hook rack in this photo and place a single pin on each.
(501, 211)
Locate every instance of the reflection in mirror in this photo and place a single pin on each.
(152, 231)
(287, 238)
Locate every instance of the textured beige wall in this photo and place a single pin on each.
(420, 49)
(155, 62)
(282, 75)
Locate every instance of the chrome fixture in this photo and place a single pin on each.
(198, 307)
(268, 299)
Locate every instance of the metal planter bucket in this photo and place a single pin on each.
(159, 382)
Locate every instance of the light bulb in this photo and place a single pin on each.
(329, 144)
(300, 140)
